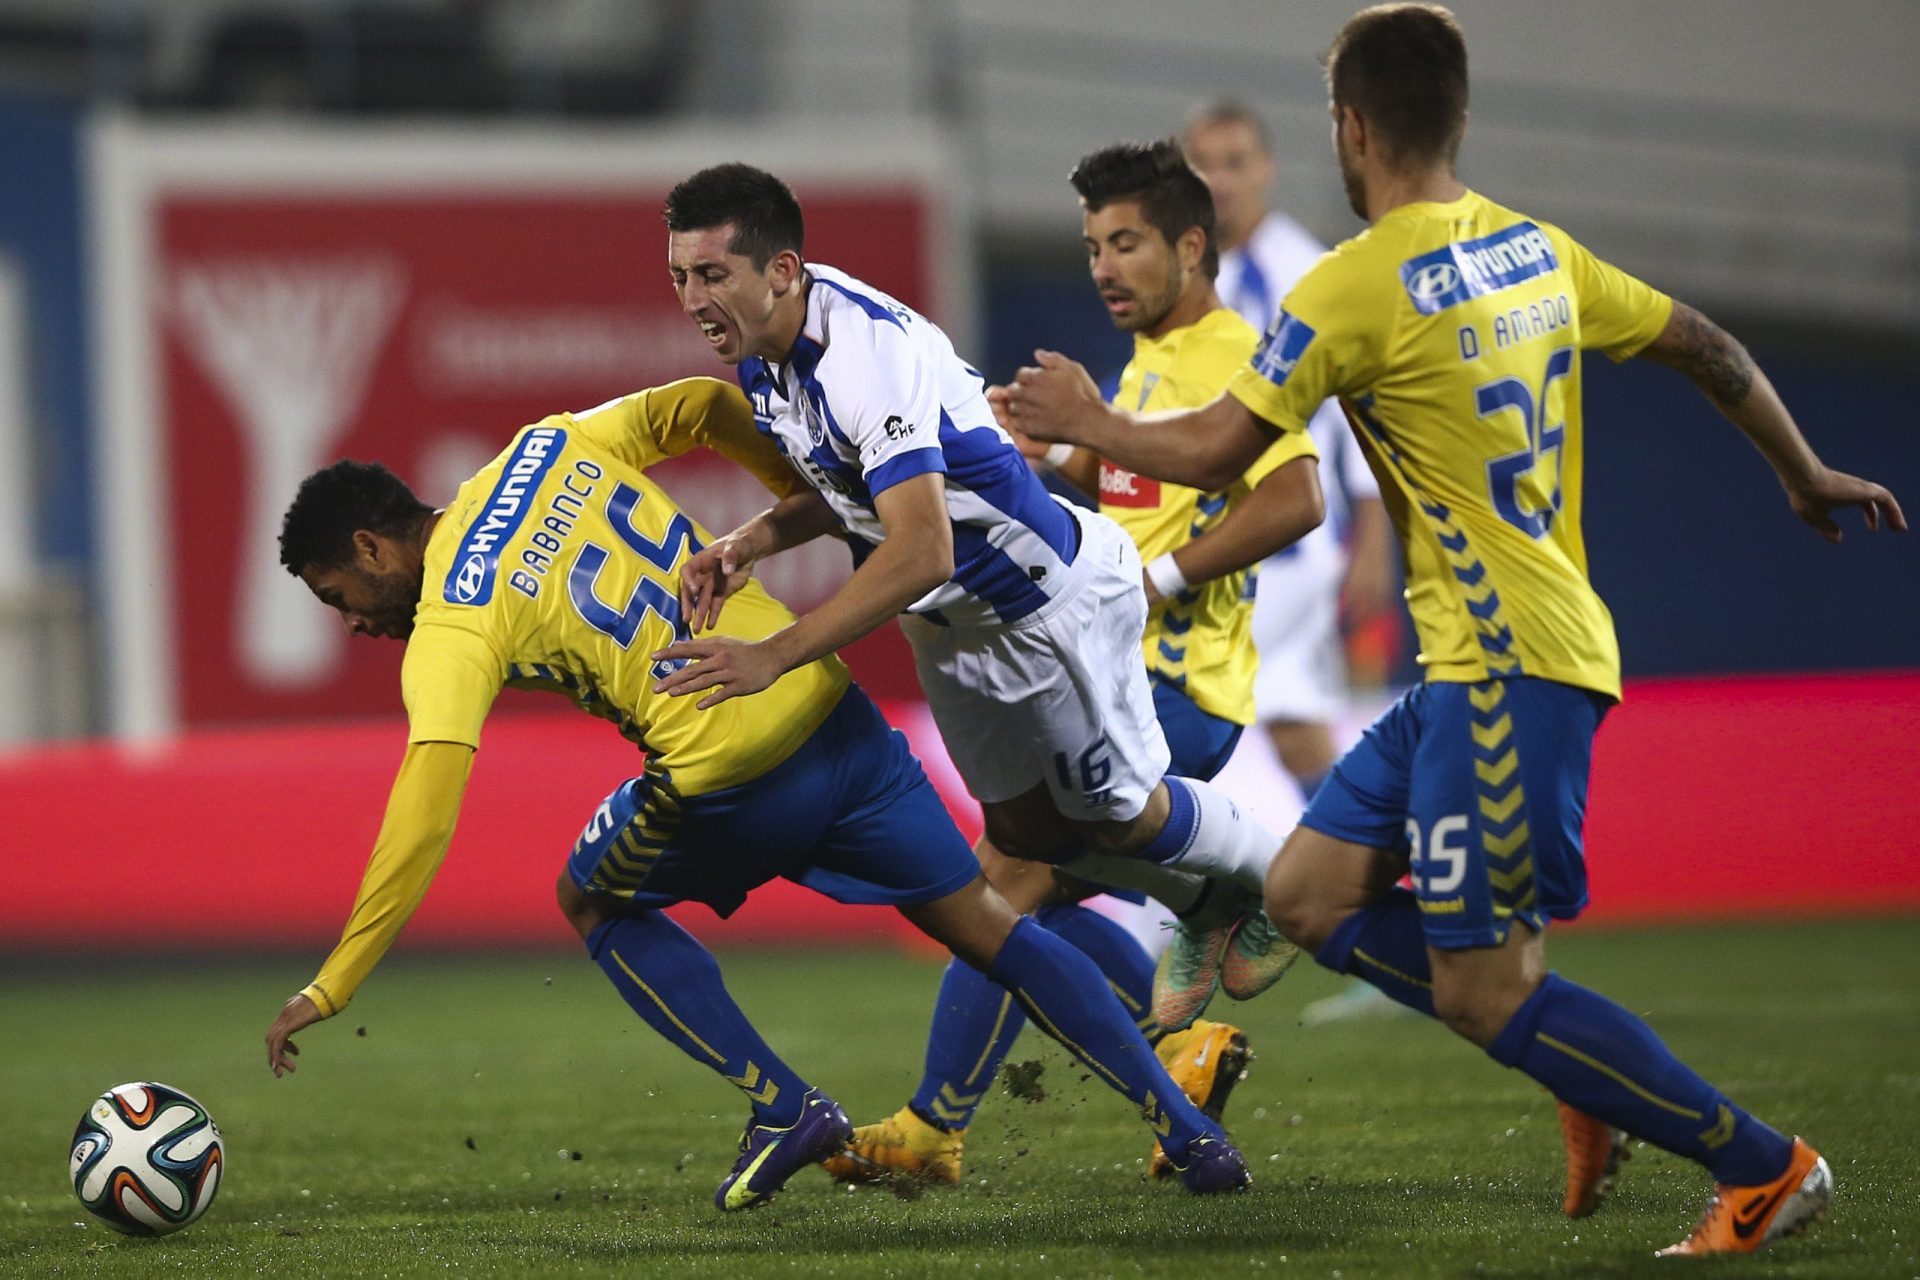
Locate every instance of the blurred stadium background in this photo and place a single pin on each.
(239, 238)
(244, 237)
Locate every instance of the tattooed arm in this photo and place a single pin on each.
(1727, 375)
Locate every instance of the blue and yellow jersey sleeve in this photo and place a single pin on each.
(1200, 641)
(1452, 332)
(1619, 314)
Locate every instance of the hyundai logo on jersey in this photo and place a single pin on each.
(1281, 351)
(1474, 268)
(470, 581)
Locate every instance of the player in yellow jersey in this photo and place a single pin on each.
(1451, 329)
(1149, 235)
(557, 568)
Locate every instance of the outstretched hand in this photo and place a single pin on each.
(1053, 399)
(1815, 501)
(297, 1013)
(732, 668)
(709, 577)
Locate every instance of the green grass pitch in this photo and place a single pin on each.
(506, 1115)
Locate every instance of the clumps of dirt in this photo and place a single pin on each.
(1022, 1080)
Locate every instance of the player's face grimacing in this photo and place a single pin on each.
(371, 602)
(723, 293)
(1135, 270)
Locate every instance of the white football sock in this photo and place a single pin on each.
(1209, 833)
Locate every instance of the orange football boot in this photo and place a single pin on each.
(1747, 1219)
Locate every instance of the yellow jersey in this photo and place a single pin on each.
(557, 568)
(1452, 334)
(1202, 639)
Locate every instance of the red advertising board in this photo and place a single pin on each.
(1710, 799)
(417, 318)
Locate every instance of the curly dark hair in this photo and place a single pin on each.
(336, 501)
(762, 211)
(1173, 198)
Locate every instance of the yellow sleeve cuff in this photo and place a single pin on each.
(1264, 400)
(321, 1000)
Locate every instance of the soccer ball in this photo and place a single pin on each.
(146, 1159)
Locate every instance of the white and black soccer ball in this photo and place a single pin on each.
(146, 1159)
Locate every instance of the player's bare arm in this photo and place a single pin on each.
(1078, 467)
(1206, 448)
(1283, 508)
(1726, 374)
(714, 573)
(915, 557)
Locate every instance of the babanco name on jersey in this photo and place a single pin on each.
(1454, 273)
(475, 564)
(564, 508)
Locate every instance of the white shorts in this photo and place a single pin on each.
(1296, 628)
(1060, 697)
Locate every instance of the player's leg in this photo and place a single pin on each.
(1333, 889)
(1499, 800)
(1066, 996)
(645, 848)
(896, 844)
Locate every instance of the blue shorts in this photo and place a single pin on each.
(850, 814)
(1199, 741)
(1484, 788)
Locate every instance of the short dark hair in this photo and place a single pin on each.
(765, 217)
(1173, 198)
(336, 501)
(1228, 111)
(1404, 68)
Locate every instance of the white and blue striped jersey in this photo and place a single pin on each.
(873, 394)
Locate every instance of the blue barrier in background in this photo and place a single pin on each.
(42, 227)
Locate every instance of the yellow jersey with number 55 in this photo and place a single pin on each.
(1452, 332)
(557, 568)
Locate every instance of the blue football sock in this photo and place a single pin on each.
(1067, 998)
(975, 1022)
(1385, 945)
(1119, 955)
(1592, 1054)
(672, 982)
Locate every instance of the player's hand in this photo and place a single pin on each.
(1054, 399)
(997, 401)
(295, 1014)
(732, 668)
(711, 575)
(1815, 501)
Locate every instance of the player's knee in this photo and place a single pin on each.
(1474, 1013)
(1301, 913)
(581, 911)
